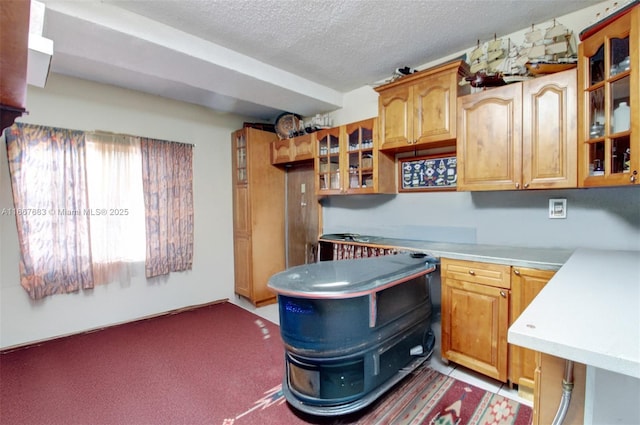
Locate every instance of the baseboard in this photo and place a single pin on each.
(92, 330)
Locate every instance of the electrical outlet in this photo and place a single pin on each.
(557, 208)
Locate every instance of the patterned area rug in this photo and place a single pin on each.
(425, 397)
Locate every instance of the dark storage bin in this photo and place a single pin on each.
(352, 329)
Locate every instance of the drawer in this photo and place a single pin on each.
(497, 275)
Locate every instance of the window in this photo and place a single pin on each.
(116, 205)
(90, 205)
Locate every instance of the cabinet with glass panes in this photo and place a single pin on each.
(348, 161)
(609, 101)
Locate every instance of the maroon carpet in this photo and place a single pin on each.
(217, 364)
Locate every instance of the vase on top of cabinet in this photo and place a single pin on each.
(348, 161)
(609, 100)
(418, 111)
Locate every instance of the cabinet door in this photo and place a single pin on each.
(474, 326)
(434, 103)
(239, 158)
(369, 171)
(243, 280)
(489, 145)
(548, 391)
(241, 211)
(302, 147)
(609, 104)
(396, 118)
(280, 152)
(526, 284)
(550, 131)
(328, 162)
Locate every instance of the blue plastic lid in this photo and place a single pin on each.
(351, 278)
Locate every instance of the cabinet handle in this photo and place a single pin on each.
(503, 294)
(516, 272)
(472, 273)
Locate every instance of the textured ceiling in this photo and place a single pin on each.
(259, 58)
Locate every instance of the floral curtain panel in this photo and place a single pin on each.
(167, 176)
(48, 180)
(90, 208)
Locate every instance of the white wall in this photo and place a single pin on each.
(606, 218)
(77, 104)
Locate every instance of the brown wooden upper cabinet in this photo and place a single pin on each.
(14, 40)
(609, 103)
(347, 161)
(293, 150)
(519, 136)
(418, 111)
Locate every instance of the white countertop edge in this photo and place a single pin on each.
(589, 312)
(627, 367)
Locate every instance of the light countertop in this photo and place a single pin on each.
(537, 258)
(589, 312)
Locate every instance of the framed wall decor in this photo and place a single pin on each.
(427, 173)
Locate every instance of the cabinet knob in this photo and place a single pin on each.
(526, 185)
(633, 177)
(516, 272)
(472, 273)
(517, 185)
(503, 294)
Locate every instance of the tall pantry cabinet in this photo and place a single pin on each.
(258, 215)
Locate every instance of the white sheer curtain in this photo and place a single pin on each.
(117, 215)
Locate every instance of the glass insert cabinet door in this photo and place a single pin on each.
(608, 80)
(346, 159)
(240, 146)
(360, 155)
(329, 160)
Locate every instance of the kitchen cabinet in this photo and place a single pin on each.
(475, 315)
(526, 283)
(293, 150)
(14, 40)
(418, 111)
(479, 303)
(548, 391)
(258, 211)
(609, 102)
(347, 161)
(519, 136)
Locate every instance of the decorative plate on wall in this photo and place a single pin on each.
(286, 124)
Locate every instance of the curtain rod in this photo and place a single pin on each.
(133, 135)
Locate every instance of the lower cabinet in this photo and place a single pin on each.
(525, 285)
(475, 315)
(548, 391)
(479, 303)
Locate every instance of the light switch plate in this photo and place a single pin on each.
(558, 208)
